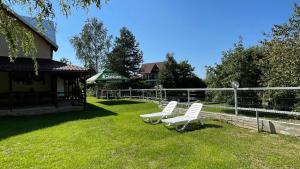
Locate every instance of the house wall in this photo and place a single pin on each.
(4, 83)
(44, 49)
(35, 86)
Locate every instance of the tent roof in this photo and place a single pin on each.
(105, 76)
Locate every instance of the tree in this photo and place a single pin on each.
(92, 44)
(282, 47)
(185, 74)
(65, 60)
(178, 75)
(238, 64)
(168, 74)
(19, 38)
(281, 67)
(125, 57)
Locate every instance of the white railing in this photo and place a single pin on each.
(161, 94)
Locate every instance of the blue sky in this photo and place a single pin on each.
(195, 30)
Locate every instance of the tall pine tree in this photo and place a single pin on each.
(126, 57)
(168, 73)
(178, 75)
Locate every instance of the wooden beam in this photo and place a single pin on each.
(11, 99)
(84, 93)
(54, 89)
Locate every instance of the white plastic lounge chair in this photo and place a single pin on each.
(155, 118)
(192, 115)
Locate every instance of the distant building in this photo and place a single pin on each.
(149, 72)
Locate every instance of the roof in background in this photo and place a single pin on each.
(45, 65)
(48, 31)
(148, 67)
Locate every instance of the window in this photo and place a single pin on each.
(27, 78)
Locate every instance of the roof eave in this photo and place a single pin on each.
(53, 44)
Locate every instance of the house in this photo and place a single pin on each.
(149, 72)
(57, 87)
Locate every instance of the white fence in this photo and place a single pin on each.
(275, 100)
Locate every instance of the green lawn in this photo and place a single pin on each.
(111, 135)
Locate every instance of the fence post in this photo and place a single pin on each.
(257, 120)
(120, 93)
(155, 93)
(143, 94)
(96, 91)
(129, 92)
(235, 86)
(188, 94)
(165, 94)
(160, 92)
(235, 102)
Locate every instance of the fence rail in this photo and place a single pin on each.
(212, 89)
(251, 101)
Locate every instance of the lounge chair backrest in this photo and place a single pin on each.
(170, 107)
(194, 110)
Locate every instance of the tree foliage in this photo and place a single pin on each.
(281, 66)
(178, 75)
(238, 64)
(125, 57)
(168, 73)
(276, 62)
(92, 44)
(65, 60)
(282, 48)
(19, 38)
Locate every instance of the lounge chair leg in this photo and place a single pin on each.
(147, 120)
(201, 122)
(182, 128)
(155, 122)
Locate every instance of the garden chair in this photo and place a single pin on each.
(192, 115)
(156, 118)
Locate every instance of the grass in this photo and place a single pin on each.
(111, 135)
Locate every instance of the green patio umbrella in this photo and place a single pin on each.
(106, 76)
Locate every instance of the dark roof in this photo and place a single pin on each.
(44, 65)
(48, 32)
(160, 64)
(148, 67)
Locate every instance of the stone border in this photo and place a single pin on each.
(266, 125)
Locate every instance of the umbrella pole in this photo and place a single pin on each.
(97, 91)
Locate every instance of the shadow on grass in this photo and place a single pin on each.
(12, 126)
(119, 102)
(193, 127)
